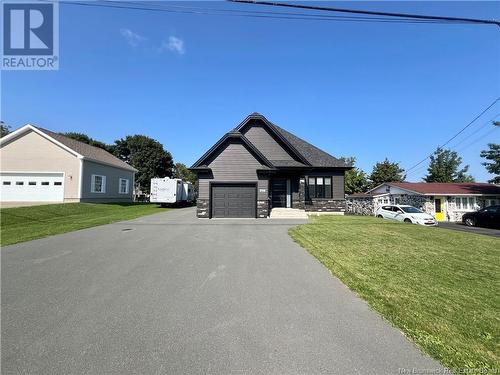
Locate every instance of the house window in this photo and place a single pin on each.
(465, 206)
(98, 184)
(458, 203)
(328, 187)
(19, 183)
(319, 187)
(32, 183)
(57, 183)
(123, 186)
(45, 183)
(6, 182)
(472, 201)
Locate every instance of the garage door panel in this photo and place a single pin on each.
(31, 187)
(235, 200)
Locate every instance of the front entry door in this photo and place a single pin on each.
(280, 188)
(439, 208)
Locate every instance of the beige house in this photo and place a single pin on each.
(37, 165)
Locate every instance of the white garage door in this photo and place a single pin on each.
(31, 187)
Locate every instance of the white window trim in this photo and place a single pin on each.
(120, 185)
(103, 185)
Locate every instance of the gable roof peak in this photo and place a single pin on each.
(77, 148)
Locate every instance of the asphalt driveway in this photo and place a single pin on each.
(464, 228)
(170, 294)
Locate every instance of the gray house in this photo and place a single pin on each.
(42, 166)
(259, 166)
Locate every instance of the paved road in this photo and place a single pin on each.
(463, 228)
(170, 294)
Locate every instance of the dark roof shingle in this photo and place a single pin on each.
(315, 156)
(449, 188)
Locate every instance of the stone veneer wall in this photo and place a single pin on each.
(262, 208)
(202, 206)
(360, 206)
(298, 199)
(325, 205)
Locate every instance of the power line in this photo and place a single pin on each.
(369, 12)
(456, 134)
(476, 140)
(242, 13)
(477, 131)
(261, 12)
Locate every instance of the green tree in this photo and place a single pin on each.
(182, 171)
(146, 155)
(444, 167)
(386, 171)
(356, 180)
(4, 129)
(86, 139)
(493, 167)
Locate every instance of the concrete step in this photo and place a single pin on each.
(287, 213)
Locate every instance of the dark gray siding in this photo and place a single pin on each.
(233, 163)
(266, 144)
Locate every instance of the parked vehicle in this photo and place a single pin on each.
(407, 214)
(486, 217)
(170, 190)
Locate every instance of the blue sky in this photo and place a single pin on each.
(369, 90)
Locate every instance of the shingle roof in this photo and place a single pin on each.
(287, 163)
(308, 155)
(435, 188)
(315, 156)
(365, 195)
(87, 151)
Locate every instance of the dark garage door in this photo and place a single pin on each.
(235, 200)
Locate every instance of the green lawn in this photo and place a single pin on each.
(440, 287)
(28, 223)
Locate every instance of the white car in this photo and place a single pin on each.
(407, 214)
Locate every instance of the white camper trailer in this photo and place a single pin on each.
(187, 192)
(166, 190)
(171, 190)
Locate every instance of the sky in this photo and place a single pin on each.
(368, 90)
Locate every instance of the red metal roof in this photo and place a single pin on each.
(449, 188)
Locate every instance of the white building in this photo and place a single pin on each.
(445, 201)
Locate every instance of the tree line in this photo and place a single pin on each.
(444, 166)
(145, 154)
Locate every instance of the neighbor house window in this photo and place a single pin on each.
(123, 186)
(465, 206)
(6, 182)
(458, 203)
(32, 183)
(319, 187)
(19, 183)
(98, 184)
(57, 183)
(472, 202)
(45, 183)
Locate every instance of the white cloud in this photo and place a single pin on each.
(173, 44)
(132, 38)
